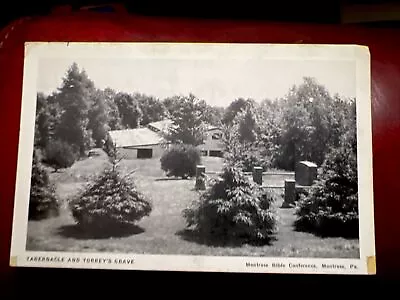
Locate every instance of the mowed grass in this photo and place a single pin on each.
(163, 231)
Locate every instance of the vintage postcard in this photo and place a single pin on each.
(195, 157)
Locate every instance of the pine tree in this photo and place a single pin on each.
(98, 118)
(42, 202)
(233, 209)
(74, 98)
(42, 123)
(331, 205)
(110, 202)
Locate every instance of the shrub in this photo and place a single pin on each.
(331, 206)
(233, 208)
(180, 160)
(109, 147)
(252, 156)
(59, 154)
(109, 202)
(42, 202)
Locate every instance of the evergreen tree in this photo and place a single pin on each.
(74, 98)
(233, 208)
(42, 123)
(330, 208)
(43, 201)
(247, 125)
(98, 118)
(114, 118)
(110, 202)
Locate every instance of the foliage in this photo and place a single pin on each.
(236, 106)
(59, 155)
(109, 147)
(42, 121)
(74, 99)
(48, 115)
(233, 208)
(152, 109)
(180, 160)
(129, 109)
(112, 200)
(114, 118)
(43, 202)
(247, 125)
(98, 118)
(331, 206)
(241, 142)
(312, 122)
(189, 121)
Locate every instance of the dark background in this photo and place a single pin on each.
(305, 11)
(386, 119)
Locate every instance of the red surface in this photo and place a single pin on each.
(384, 46)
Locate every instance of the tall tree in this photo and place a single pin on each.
(98, 118)
(129, 110)
(152, 109)
(114, 118)
(234, 108)
(188, 121)
(247, 125)
(42, 123)
(171, 104)
(214, 115)
(74, 98)
(306, 123)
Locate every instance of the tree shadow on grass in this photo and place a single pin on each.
(220, 241)
(77, 232)
(333, 230)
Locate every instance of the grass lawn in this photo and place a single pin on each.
(161, 232)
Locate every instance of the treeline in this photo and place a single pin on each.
(305, 124)
(77, 116)
(302, 125)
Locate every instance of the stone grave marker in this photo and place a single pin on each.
(290, 193)
(257, 175)
(305, 173)
(200, 177)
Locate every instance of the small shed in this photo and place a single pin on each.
(138, 143)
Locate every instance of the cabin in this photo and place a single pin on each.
(148, 142)
(212, 144)
(138, 143)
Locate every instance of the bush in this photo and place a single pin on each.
(331, 206)
(111, 201)
(42, 202)
(251, 156)
(233, 208)
(59, 154)
(180, 160)
(109, 147)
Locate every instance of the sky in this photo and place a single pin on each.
(217, 81)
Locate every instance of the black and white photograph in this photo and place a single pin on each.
(195, 157)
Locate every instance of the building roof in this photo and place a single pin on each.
(135, 137)
(167, 123)
(160, 125)
(308, 163)
(211, 127)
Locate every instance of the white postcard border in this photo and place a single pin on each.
(34, 51)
